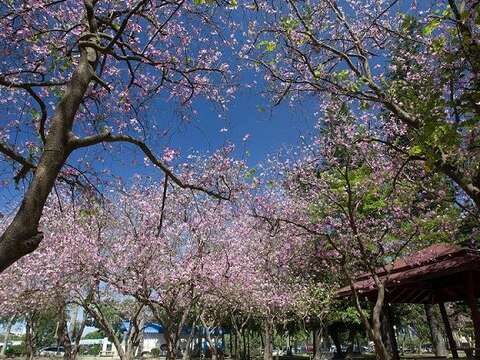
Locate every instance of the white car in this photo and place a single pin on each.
(278, 352)
(52, 351)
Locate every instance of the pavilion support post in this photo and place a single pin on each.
(391, 331)
(472, 303)
(448, 331)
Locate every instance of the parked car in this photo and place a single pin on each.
(427, 348)
(52, 351)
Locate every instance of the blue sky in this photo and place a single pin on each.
(270, 129)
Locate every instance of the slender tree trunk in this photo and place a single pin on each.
(268, 345)
(248, 344)
(438, 343)
(224, 345)
(244, 345)
(107, 327)
(385, 333)
(317, 343)
(236, 344)
(77, 332)
(448, 330)
(289, 346)
(6, 335)
(30, 336)
(211, 342)
(62, 333)
(351, 339)
(186, 352)
(374, 329)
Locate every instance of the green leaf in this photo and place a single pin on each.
(267, 45)
(430, 27)
(415, 150)
(250, 173)
(343, 74)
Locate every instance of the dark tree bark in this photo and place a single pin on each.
(30, 335)
(236, 344)
(22, 235)
(244, 344)
(352, 333)
(335, 336)
(448, 330)
(438, 343)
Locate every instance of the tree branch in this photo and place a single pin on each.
(76, 143)
(12, 154)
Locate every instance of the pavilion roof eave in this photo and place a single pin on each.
(423, 277)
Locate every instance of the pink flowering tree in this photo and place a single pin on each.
(364, 206)
(264, 276)
(413, 67)
(75, 74)
(48, 279)
(156, 248)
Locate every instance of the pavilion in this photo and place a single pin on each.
(435, 275)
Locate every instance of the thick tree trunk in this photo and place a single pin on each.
(373, 328)
(438, 343)
(268, 339)
(386, 337)
(22, 235)
(6, 335)
(70, 333)
(335, 336)
(170, 345)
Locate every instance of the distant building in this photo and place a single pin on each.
(154, 338)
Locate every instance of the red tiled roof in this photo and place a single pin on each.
(422, 276)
